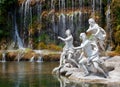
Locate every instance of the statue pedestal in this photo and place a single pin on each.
(77, 75)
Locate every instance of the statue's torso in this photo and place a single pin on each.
(69, 44)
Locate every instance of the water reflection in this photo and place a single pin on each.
(34, 74)
(27, 74)
(64, 82)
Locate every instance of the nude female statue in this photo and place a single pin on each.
(68, 48)
(98, 33)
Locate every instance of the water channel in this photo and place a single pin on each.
(34, 74)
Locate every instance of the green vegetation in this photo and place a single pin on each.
(38, 31)
(51, 46)
(6, 7)
(115, 10)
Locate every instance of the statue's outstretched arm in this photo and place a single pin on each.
(65, 39)
(61, 38)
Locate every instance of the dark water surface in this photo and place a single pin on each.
(33, 74)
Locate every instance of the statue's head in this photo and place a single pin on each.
(91, 21)
(82, 36)
(68, 32)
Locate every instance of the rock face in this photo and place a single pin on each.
(114, 62)
(77, 75)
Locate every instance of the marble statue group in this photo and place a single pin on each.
(87, 53)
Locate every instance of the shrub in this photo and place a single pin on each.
(118, 49)
(54, 47)
(42, 45)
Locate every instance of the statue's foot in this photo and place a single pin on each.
(106, 76)
(86, 74)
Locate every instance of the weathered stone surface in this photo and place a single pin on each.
(77, 75)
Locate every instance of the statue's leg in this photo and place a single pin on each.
(70, 58)
(62, 57)
(96, 65)
(83, 63)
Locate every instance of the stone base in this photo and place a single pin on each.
(77, 75)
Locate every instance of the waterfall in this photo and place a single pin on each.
(3, 57)
(53, 18)
(62, 24)
(72, 5)
(71, 25)
(39, 11)
(93, 8)
(59, 15)
(100, 6)
(32, 59)
(63, 5)
(26, 18)
(20, 54)
(40, 59)
(109, 30)
(59, 5)
(27, 12)
(19, 41)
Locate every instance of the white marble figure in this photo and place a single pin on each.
(98, 33)
(68, 48)
(90, 50)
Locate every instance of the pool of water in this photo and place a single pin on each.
(33, 74)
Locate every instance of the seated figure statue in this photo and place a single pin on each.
(98, 33)
(68, 48)
(90, 51)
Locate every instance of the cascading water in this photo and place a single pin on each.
(27, 12)
(63, 5)
(53, 19)
(71, 20)
(32, 59)
(108, 19)
(60, 15)
(18, 39)
(62, 24)
(3, 57)
(39, 10)
(40, 59)
(20, 55)
(93, 7)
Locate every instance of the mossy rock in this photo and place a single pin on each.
(51, 57)
(11, 56)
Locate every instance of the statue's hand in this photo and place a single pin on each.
(58, 37)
